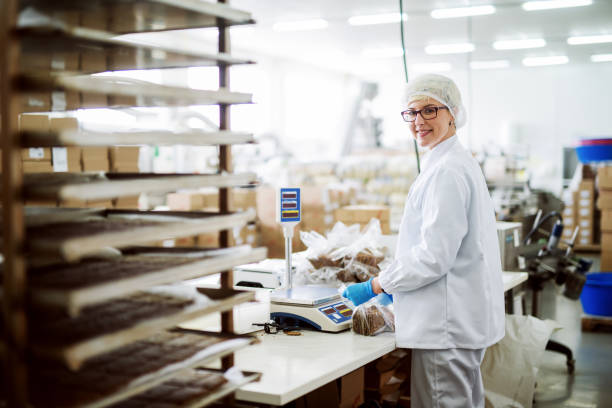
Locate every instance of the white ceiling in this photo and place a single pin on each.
(340, 45)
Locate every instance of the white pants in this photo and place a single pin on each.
(446, 378)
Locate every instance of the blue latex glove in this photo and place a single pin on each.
(385, 299)
(359, 293)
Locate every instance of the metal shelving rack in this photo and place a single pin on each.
(25, 233)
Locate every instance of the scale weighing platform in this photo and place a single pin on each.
(318, 307)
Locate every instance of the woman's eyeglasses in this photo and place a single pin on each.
(429, 112)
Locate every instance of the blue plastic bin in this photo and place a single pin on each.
(596, 295)
(595, 153)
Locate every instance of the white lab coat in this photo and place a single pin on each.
(446, 278)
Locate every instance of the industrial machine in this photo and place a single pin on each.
(546, 261)
(311, 306)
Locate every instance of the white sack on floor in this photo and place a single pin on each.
(510, 367)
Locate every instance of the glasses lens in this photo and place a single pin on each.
(409, 116)
(429, 113)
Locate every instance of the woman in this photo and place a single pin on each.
(446, 278)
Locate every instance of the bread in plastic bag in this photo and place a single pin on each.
(345, 255)
(372, 318)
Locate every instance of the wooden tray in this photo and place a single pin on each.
(75, 298)
(219, 345)
(184, 379)
(87, 238)
(100, 186)
(157, 138)
(200, 14)
(145, 93)
(75, 354)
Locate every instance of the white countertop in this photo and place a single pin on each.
(513, 279)
(293, 366)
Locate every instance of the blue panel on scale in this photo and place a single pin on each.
(337, 313)
(291, 210)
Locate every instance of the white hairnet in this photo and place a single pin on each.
(442, 89)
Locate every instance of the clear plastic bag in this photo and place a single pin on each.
(345, 255)
(372, 318)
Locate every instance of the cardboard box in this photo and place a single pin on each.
(185, 242)
(123, 58)
(41, 203)
(66, 159)
(34, 123)
(604, 201)
(127, 202)
(210, 240)
(362, 213)
(124, 159)
(94, 159)
(65, 61)
(36, 102)
(606, 220)
(93, 100)
(36, 154)
(63, 123)
(587, 185)
(606, 242)
(350, 388)
(188, 201)
(606, 260)
(37, 167)
(604, 177)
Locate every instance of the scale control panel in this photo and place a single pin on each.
(290, 210)
(337, 312)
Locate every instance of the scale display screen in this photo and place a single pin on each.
(337, 313)
(290, 205)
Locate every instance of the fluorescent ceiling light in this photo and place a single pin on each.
(590, 39)
(463, 12)
(458, 48)
(303, 25)
(383, 52)
(519, 44)
(386, 18)
(494, 64)
(554, 4)
(541, 61)
(601, 58)
(431, 67)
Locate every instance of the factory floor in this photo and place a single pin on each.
(591, 384)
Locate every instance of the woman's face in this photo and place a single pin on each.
(430, 132)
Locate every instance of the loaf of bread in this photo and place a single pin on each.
(370, 319)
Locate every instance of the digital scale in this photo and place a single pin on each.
(313, 306)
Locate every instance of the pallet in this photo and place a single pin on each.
(592, 323)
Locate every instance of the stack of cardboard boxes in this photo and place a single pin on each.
(90, 60)
(604, 203)
(362, 214)
(580, 211)
(74, 159)
(241, 199)
(387, 379)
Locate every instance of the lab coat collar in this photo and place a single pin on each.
(437, 152)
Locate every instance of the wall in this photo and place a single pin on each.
(538, 109)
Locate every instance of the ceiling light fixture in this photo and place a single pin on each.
(554, 4)
(601, 58)
(431, 67)
(463, 12)
(382, 52)
(493, 64)
(519, 44)
(303, 25)
(590, 39)
(541, 61)
(459, 48)
(372, 19)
